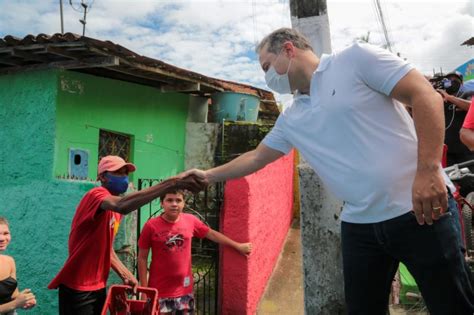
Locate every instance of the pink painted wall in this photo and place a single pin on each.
(257, 208)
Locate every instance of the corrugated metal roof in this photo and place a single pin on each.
(107, 59)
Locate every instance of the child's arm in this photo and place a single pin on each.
(243, 248)
(142, 266)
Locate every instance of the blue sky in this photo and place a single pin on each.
(217, 38)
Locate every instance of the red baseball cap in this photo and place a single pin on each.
(112, 163)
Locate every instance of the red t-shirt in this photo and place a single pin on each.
(469, 120)
(90, 244)
(170, 243)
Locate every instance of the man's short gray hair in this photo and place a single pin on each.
(277, 38)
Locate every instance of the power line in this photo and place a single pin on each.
(389, 26)
(381, 21)
(85, 8)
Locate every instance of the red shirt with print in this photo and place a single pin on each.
(90, 244)
(170, 243)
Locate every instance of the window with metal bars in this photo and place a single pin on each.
(112, 143)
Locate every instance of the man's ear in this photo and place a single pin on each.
(289, 49)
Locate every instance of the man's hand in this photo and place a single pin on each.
(245, 248)
(429, 195)
(203, 176)
(131, 281)
(192, 180)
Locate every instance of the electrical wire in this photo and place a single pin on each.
(380, 18)
(389, 26)
(80, 7)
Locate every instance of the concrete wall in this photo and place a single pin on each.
(321, 237)
(201, 145)
(39, 208)
(257, 208)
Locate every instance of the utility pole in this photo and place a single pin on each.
(61, 14)
(310, 17)
(320, 227)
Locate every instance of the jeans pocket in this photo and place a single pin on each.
(447, 234)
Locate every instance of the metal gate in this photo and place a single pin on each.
(206, 206)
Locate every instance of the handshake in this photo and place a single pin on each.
(189, 181)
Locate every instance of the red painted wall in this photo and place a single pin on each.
(257, 208)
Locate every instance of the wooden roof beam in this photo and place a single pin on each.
(140, 75)
(189, 87)
(159, 71)
(28, 55)
(61, 52)
(168, 74)
(95, 62)
(42, 46)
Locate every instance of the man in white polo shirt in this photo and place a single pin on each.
(348, 123)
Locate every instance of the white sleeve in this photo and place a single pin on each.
(276, 138)
(378, 68)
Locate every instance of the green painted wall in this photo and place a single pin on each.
(39, 208)
(156, 121)
(42, 114)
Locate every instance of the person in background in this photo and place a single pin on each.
(467, 130)
(457, 102)
(83, 278)
(456, 105)
(11, 298)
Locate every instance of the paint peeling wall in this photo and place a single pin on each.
(258, 208)
(201, 144)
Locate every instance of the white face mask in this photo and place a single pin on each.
(278, 82)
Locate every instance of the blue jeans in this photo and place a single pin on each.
(432, 254)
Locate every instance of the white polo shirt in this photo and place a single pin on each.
(361, 143)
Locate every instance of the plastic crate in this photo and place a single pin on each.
(120, 301)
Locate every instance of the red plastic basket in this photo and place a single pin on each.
(120, 301)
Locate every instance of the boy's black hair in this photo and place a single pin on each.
(172, 191)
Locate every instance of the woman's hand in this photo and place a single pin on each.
(25, 299)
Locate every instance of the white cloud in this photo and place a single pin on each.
(217, 37)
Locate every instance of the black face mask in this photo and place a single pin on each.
(453, 87)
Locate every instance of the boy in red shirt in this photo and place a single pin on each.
(83, 278)
(169, 237)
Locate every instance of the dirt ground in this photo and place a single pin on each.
(406, 310)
